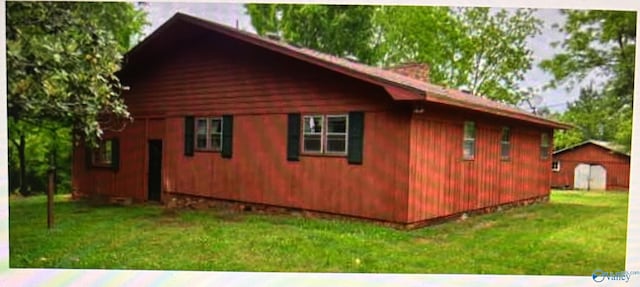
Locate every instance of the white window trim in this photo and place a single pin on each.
(324, 135)
(557, 167)
(345, 134)
(208, 145)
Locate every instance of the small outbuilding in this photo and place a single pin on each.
(591, 165)
(226, 115)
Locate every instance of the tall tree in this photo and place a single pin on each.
(600, 43)
(480, 49)
(591, 116)
(475, 48)
(61, 60)
(342, 30)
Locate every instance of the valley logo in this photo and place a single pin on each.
(599, 275)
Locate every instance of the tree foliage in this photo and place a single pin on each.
(61, 61)
(341, 30)
(591, 116)
(476, 48)
(598, 43)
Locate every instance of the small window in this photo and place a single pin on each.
(544, 146)
(469, 142)
(555, 166)
(325, 134)
(505, 143)
(208, 134)
(102, 156)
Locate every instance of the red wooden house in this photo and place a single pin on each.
(591, 165)
(224, 114)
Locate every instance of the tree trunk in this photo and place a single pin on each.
(23, 166)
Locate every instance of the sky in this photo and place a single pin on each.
(233, 14)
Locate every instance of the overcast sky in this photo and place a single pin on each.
(232, 13)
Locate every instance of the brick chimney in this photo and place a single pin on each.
(418, 71)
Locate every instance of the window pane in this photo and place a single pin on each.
(312, 124)
(201, 133)
(506, 134)
(215, 133)
(201, 127)
(312, 143)
(336, 143)
(337, 124)
(544, 140)
(106, 155)
(504, 151)
(544, 145)
(468, 149)
(216, 125)
(544, 152)
(102, 155)
(201, 141)
(469, 130)
(216, 142)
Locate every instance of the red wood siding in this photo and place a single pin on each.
(234, 78)
(412, 168)
(616, 165)
(442, 183)
(258, 171)
(259, 88)
(130, 180)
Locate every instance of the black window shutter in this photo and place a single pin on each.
(88, 156)
(115, 154)
(293, 137)
(227, 136)
(188, 135)
(356, 137)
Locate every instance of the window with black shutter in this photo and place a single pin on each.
(206, 134)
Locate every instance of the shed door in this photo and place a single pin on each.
(581, 176)
(590, 177)
(598, 178)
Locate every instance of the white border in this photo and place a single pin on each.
(61, 277)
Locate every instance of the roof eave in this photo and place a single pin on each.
(503, 113)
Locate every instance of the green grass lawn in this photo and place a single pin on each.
(574, 234)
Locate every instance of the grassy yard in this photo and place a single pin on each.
(574, 234)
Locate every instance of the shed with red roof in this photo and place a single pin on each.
(227, 115)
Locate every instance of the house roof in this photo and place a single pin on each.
(603, 144)
(400, 87)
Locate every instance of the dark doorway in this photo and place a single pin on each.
(154, 175)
